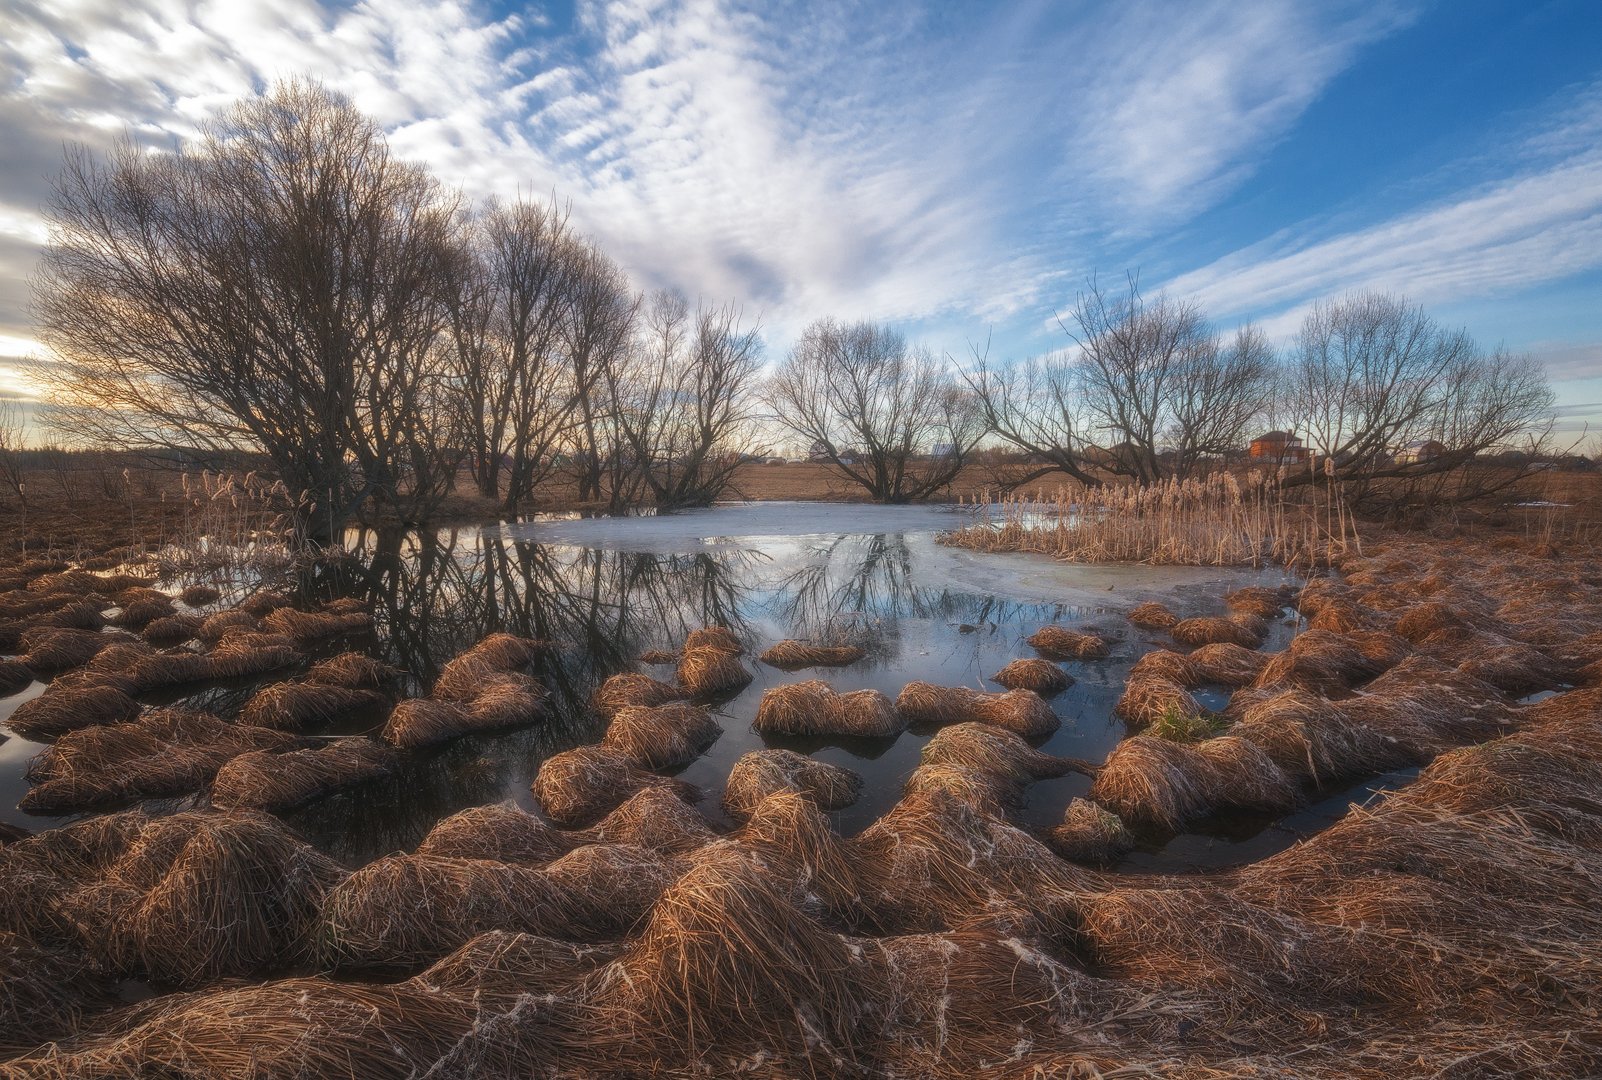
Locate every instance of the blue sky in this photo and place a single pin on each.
(957, 169)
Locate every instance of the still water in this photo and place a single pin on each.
(604, 591)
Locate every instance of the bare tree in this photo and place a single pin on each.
(1217, 392)
(275, 285)
(12, 433)
(686, 403)
(886, 416)
(1396, 402)
(1037, 405)
(598, 332)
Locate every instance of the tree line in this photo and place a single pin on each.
(283, 285)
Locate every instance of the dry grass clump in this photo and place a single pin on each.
(1345, 616)
(1314, 739)
(354, 671)
(1247, 631)
(1167, 783)
(794, 655)
(172, 629)
(264, 602)
(201, 896)
(141, 607)
(1175, 667)
(165, 753)
(43, 992)
(1149, 699)
(1090, 834)
(506, 699)
(814, 707)
(609, 887)
(992, 750)
(297, 706)
(794, 840)
(665, 737)
(302, 1028)
(727, 960)
(15, 676)
(577, 786)
(1061, 642)
(708, 670)
(49, 649)
(1020, 711)
(1329, 664)
(513, 964)
(260, 780)
(199, 595)
(1517, 668)
(501, 832)
(460, 680)
(1258, 600)
(41, 872)
(630, 688)
(315, 625)
(419, 722)
(714, 637)
(1151, 616)
(761, 773)
(1033, 673)
(242, 654)
(215, 626)
(1226, 664)
(655, 818)
(986, 793)
(59, 710)
(1568, 707)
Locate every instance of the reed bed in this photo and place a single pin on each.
(814, 707)
(578, 786)
(761, 773)
(795, 655)
(630, 688)
(60, 710)
(1217, 521)
(1090, 834)
(165, 753)
(299, 706)
(1033, 673)
(276, 782)
(1065, 644)
(1020, 711)
(666, 737)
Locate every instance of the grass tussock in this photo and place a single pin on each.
(1152, 698)
(15, 676)
(299, 706)
(1065, 644)
(630, 688)
(665, 737)
(172, 629)
(48, 650)
(165, 753)
(658, 657)
(714, 637)
(1021, 711)
(215, 626)
(1247, 631)
(761, 773)
(1175, 667)
(421, 722)
(1315, 740)
(1258, 600)
(657, 818)
(795, 655)
(578, 786)
(1090, 834)
(1225, 664)
(354, 671)
(261, 780)
(498, 653)
(511, 964)
(709, 670)
(1033, 673)
(814, 707)
(43, 992)
(501, 832)
(58, 711)
(200, 594)
(1329, 664)
(1167, 783)
(1151, 616)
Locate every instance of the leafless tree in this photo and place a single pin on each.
(887, 416)
(276, 284)
(12, 433)
(1218, 391)
(598, 330)
(1393, 399)
(1037, 405)
(687, 401)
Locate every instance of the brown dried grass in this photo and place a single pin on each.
(173, 629)
(656, 818)
(1150, 699)
(354, 671)
(261, 780)
(1225, 664)
(708, 670)
(1168, 784)
(420, 722)
(1175, 667)
(814, 707)
(1033, 673)
(1258, 600)
(199, 595)
(578, 786)
(501, 832)
(794, 655)
(512, 964)
(43, 992)
(305, 626)
(714, 637)
(1152, 616)
(1246, 631)
(15, 676)
(1063, 643)
(51, 649)
(215, 626)
(664, 737)
(58, 711)
(1090, 834)
(1313, 739)
(292, 706)
(633, 689)
(1020, 711)
(761, 773)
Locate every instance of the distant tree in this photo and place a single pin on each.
(686, 402)
(877, 409)
(276, 284)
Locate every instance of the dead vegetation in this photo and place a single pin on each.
(761, 773)
(1061, 643)
(300, 706)
(816, 708)
(1021, 711)
(1033, 673)
(275, 782)
(795, 655)
(578, 786)
(665, 737)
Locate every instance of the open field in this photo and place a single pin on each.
(907, 878)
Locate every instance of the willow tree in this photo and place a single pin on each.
(276, 285)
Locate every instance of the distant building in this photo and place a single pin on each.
(1280, 446)
(1423, 450)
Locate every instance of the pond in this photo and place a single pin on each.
(606, 590)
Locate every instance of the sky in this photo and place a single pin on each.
(958, 170)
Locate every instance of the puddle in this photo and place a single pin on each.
(605, 590)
